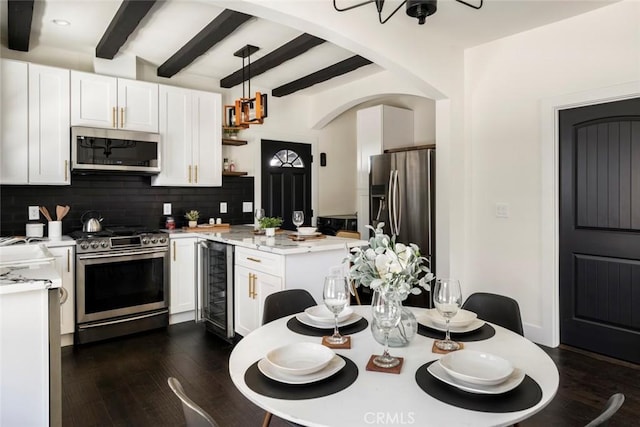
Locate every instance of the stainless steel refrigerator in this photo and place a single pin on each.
(402, 195)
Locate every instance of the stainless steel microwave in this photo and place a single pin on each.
(95, 150)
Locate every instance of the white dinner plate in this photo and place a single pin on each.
(268, 370)
(302, 235)
(426, 321)
(510, 383)
(301, 358)
(476, 367)
(461, 319)
(306, 320)
(321, 314)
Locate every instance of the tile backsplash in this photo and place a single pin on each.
(123, 200)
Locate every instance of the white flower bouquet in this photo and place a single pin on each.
(390, 267)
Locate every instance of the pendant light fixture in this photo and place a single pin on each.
(419, 9)
(247, 110)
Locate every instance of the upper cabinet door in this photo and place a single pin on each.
(109, 102)
(14, 131)
(137, 105)
(49, 144)
(207, 139)
(93, 100)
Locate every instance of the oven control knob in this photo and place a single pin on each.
(163, 240)
(145, 241)
(104, 244)
(84, 245)
(94, 245)
(154, 240)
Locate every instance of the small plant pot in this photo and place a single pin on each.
(193, 224)
(270, 232)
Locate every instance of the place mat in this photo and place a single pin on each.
(373, 367)
(485, 332)
(526, 395)
(296, 326)
(257, 382)
(344, 345)
(435, 349)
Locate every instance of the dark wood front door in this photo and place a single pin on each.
(286, 180)
(600, 228)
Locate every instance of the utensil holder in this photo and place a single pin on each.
(55, 230)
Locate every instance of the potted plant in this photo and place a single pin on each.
(231, 133)
(269, 224)
(192, 216)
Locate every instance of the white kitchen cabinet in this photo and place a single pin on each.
(191, 141)
(65, 265)
(111, 102)
(257, 275)
(35, 145)
(183, 276)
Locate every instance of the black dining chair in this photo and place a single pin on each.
(194, 415)
(280, 304)
(613, 404)
(498, 309)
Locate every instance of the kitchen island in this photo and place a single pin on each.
(262, 265)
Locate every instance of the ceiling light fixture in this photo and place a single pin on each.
(61, 22)
(247, 111)
(419, 9)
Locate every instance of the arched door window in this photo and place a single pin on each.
(286, 159)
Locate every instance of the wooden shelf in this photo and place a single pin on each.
(229, 173)
(233, 141)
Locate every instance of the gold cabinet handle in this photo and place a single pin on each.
(250, 282)
(121, 117)
(68, 260)
(189, 174)
(254, 287)
(253, 259)
(174, 251)
(66, 170)
(113, 117)
(196, 174)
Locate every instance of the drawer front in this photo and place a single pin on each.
(259, 261)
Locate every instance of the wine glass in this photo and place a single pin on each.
(336, 296)
(386, 312)
(447, 298)
(258, 214)
(298, 219)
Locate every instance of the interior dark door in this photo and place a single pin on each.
(286, 180)
(600, 228)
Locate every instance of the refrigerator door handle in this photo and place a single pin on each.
(391, 201)
(398, 204)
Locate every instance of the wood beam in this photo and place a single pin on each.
(124, 23)
(320, 76)
(287, 51)
(19, 17)
(223, 25)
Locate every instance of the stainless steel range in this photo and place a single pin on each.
(122, 282)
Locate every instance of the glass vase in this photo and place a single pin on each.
(401, 335)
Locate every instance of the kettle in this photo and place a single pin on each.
(92, 224)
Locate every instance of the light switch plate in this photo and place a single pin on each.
(502, 210)
(223, 207)
(34, 212)
(166, 209)
(247, 206)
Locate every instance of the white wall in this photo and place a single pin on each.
(506, 82)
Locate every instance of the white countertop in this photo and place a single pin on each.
(242, 235)
(27, 268)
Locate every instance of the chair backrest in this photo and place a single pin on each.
(498, 309)
(613, 404)
(284, 303)
(194, 415)
(348, 234)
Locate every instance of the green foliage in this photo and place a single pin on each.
(192, 215)
(270, 222)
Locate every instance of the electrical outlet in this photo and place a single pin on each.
(223, 207)
(34, 212)
(166, 209)
(247, 206)
(502, 210)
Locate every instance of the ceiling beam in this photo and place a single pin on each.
(19, 17)
(287, 51)
(124, 23)
(320, 76)
(223, 25)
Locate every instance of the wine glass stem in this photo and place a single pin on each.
(336, 334)
(447, 337)
(385, 353)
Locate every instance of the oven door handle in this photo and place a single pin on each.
(121, 254)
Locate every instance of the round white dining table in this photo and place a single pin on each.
(381, 398)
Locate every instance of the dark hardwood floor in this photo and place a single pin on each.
(123, 382)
